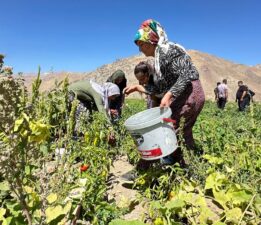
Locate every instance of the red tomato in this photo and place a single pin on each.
(84, 168)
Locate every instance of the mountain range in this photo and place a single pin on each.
(211, 68)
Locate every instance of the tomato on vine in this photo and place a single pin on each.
(83, 168)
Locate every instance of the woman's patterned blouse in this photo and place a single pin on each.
(177, 72)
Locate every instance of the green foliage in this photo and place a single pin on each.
(12, 96)
(47, 176)
(221, 184)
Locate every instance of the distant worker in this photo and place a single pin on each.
(118, 78)
(250, 94)
(93, 97)
(1, 61)
(216, 92)
(222, 94)
(242, 97)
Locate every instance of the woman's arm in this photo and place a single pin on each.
(130, 89)
(166, 100)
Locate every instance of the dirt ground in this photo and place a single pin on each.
(122, 192)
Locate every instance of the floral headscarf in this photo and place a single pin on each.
(152, 32)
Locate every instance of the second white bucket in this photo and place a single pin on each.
(153, 132)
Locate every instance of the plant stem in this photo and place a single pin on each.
(21, 198)
(252, 199)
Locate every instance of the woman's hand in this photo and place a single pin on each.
(133, 88)
(114, 112)
(166, 100)
(128, 90)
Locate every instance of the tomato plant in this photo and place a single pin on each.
(50, 174)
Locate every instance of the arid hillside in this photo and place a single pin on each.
(212, 69)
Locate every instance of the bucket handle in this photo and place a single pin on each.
(168, 120)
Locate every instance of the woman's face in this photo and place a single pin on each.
(119, 80)
(142, 78)
(146, 48)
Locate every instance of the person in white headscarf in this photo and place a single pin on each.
(93, 96)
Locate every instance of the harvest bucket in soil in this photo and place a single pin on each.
(153, 132)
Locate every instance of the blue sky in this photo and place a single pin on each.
(81, 35)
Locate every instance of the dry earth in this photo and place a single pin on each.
(122, 192)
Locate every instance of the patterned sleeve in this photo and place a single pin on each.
(186, 71)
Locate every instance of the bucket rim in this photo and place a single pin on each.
(138, 126)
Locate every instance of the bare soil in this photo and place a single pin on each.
(122, 191)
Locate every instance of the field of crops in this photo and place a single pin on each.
(50, 176)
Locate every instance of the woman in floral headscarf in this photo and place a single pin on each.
(175, 82)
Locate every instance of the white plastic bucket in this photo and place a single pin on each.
(153, 132)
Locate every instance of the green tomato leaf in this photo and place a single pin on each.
(4, 186)
(206, 215)
(215, 181)
(53, 212)
(156, 205)
(8, 221)
(18, 124)
(175, 204)
(221, 197)
(37, 213)
(51, 198)
(67, 207)
(2, 213)
(233, 215)
(213, 160)
(239, 197)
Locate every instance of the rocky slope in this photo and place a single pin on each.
(212, 69)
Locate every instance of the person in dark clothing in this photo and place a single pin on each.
(216, 92)
(118, 78)
(250, 94)
(242, 96)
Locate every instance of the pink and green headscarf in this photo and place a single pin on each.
(152, 32)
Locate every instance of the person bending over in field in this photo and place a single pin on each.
(92, 97)
(175, 83)
(118, 78)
